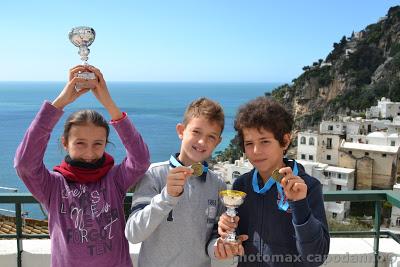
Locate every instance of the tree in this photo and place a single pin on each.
(231, 153)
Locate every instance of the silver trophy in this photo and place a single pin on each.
(232, 199)
(83, 37)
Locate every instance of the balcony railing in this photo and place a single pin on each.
(376, 196)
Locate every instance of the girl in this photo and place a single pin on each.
(84, 194)
(283, 213)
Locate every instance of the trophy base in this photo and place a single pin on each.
(231, 238)
(87, 76)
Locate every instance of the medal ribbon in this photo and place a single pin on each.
(282, 205)
(175, 163)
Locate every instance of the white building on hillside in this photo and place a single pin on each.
(332, 179)
(384, 109)
(394, 125)
(328, 148)
(307, 145)
(229, 172)
(376, 165)
(332, 127)
(383, 138)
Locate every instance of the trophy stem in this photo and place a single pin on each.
(84, 53)
(231, 212)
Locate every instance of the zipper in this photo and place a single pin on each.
(262, 229)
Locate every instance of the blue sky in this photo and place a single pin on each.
(178, 40)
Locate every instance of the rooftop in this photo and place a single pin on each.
(32, 226)
(369, 147)
(339, 169)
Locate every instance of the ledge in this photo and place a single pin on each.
(350, 252)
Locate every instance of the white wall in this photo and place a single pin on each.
(306, 149)
(349, 252)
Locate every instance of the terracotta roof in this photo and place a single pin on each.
(31, 226)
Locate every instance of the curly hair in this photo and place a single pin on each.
(264, 113)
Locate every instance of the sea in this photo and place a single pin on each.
(154, 107)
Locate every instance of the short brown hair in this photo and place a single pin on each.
(208, 108)
(264, 113)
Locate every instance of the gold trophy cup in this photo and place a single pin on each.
(232, 199)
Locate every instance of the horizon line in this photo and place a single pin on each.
(126, 81)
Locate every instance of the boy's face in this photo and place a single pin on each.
(199, 139)
(263, 150)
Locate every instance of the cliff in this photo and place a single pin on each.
(358, 71)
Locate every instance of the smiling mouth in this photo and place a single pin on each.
(199, 149)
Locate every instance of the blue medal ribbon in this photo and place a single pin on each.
(175, 163)
(282, 205)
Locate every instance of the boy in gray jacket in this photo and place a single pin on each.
(175, 209)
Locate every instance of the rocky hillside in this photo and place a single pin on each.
(357, 72)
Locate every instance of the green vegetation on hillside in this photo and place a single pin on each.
(231, 153)
(360, 69)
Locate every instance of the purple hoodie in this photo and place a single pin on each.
(86, 221)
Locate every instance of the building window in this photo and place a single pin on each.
(334, 215)
(366, 153)
(328, 143)
(392, 143)
(311, 141)
(330, 127)
(310, 157)
(328, 157)
(398, 222)
(303, 156)
(383, 155)
(339, 175)
(338, 188)
(303, 140)
(350, 152)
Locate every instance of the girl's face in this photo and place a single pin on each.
(263, 150)
(86, 143)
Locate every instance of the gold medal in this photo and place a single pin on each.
(277, 176)
(197, 169)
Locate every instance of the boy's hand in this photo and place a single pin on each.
(176, 180)
(224, 250)
(294, 187)
(69, 94)
(227, 224)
